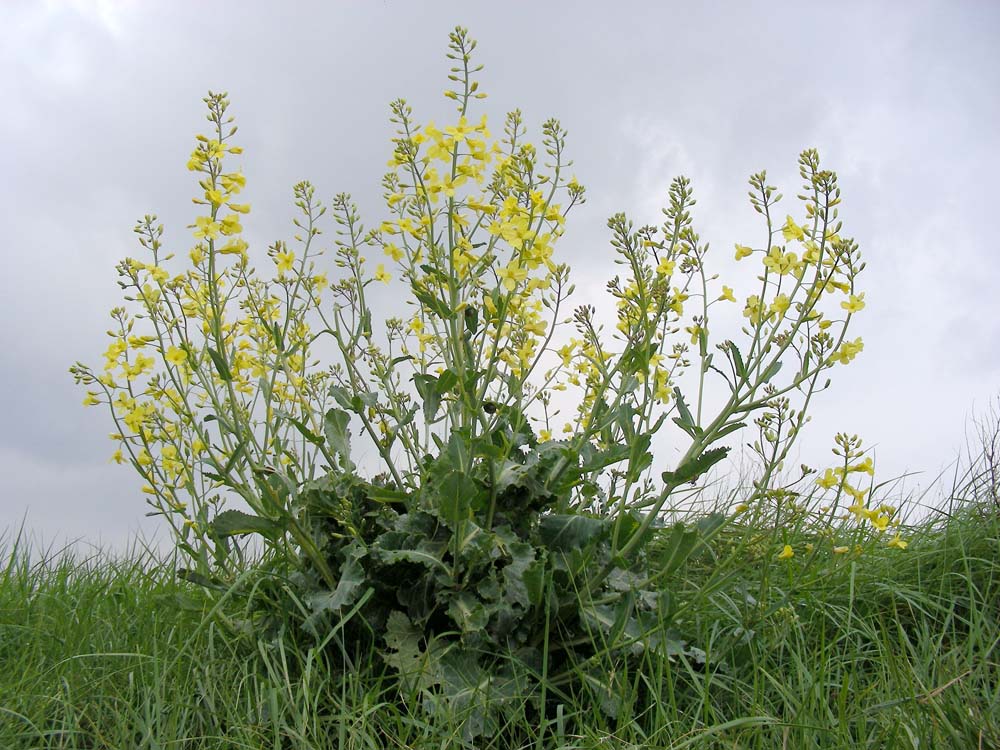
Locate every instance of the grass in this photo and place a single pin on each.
(888, 649)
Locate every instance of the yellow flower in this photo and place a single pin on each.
(285, 261)
(240, 208)
(233, 183)
(867, 466)
(791, 230)
(235, 246)
(854, 303)
(841, 550)
(511, 275)
(176, 356)
(753, 309)
(848, 351)
(544, 435)
(829, 480)
(393, 252)
(742, 251)
(727, 294)
(117, 456)
(781, 262)
(231, 225)
(205, 227)
(780, 305)
(381, 275)
(879, 520)
(665, 268)
(741, 508)
(896, 543)
(787, 553)
(214, 197)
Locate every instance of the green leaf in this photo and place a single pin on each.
(385, 495)
(338, 437)
(454, 498)
(771, 371)
(430, 391)
(734, 353)
(236, 455)
(471, 320)
(523, 576)
(468, 613)
(682, 407)
(298, 425)
(597, 461)
(477, 695)
(342, 396)
(676, 548)
(198, 579)
(640, 458)
(238, 523)
(418, 669)
(433, 304)
(221, 366)
(564, 532)
(729, 428)
(695, 467)
(349, 588)
(685, 421)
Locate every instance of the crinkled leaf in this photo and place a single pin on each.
(418, 669)
(349, 588)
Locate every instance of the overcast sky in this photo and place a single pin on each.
(100, 102)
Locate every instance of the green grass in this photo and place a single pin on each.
(889, 649)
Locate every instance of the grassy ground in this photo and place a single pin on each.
(891, 648)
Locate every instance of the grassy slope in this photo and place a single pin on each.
(889, 649)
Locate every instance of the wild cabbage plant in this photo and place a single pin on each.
(503, 533)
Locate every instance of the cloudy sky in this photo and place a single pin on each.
(100, 102)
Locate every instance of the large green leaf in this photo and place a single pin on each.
(418, 669)
(455, 495)
(523, 576)
(568, 531)
(349, 588)
(468, 613)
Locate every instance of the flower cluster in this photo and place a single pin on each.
(216, 389)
